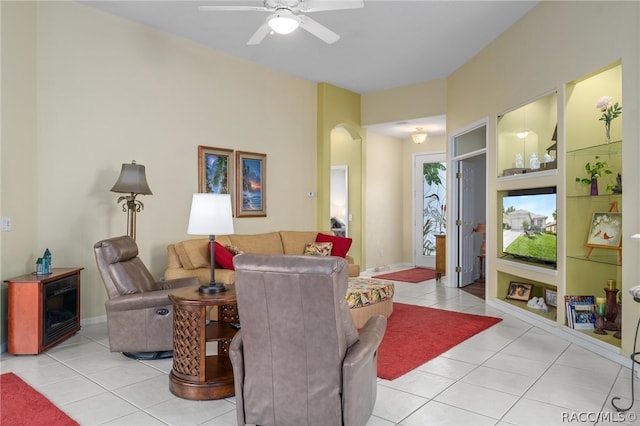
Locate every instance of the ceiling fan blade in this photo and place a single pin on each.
(320, 5)
(233, 9)
(318, 30)
(260, 34)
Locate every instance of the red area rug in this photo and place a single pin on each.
(23, 405)
(416, 334)
(414, 275)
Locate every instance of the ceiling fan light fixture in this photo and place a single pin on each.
(283, 21)
(419, 136)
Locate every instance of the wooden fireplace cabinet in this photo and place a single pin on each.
(43, 310)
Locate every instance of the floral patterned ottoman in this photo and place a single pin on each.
(367, 297)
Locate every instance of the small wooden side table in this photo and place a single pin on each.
(481, 277)
(441, 255)
(196, 375)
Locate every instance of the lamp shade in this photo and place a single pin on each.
(132, 179)
(480, 228)
(210, 215)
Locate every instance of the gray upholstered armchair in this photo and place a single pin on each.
(298, 358)
(139, 313)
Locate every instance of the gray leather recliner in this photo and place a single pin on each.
(139, 312)
(298, 358)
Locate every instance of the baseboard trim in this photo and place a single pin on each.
(603, 349)
(385, 268)
(93, 320)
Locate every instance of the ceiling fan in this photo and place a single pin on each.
(287, 15)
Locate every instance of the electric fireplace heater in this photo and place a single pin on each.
(42, 310)
(60, 305)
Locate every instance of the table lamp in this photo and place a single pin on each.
(482, 229)
(210, 215)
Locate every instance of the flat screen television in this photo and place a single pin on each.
(529, 225)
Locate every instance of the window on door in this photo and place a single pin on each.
(434, 205)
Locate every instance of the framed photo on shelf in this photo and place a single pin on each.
(605, 230)
(519, 291)
(550, 297)
(215, 170)
(251, 192)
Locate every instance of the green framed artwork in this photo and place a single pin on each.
(215, 170)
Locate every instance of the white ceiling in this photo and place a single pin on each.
(384, 45)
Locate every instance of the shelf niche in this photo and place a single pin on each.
(528, 129)
(586, 142)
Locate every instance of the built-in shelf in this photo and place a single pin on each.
(606, 338)
(604, 258)
(527, 265)
(551, 315)
(580, 141)
(525, 131)
(611, 148)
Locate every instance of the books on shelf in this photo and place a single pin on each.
(580, 312)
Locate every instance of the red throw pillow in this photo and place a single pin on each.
(222, 256)
(341, 245)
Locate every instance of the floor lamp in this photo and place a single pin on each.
(210, 215)
(133, 181)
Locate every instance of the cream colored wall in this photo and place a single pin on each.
(110, 91)
(425, 99)
(414, 101)
(384, 201)
(389, 197)
(18, 248)
(554, 44)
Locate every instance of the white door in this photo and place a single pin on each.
(429, 206)
(468, 201)
(465, 222)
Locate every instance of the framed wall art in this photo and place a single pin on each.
(215, 170)
(550, 297)
(519, 291)
(605, 230)
(251, 193)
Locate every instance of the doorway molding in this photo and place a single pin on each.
(459, 151)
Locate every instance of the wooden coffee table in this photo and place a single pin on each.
(196, 375)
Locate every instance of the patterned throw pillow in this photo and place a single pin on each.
(233, 249)
(318, 249)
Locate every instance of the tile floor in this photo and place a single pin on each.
(510, 374)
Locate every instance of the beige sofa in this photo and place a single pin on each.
(190, 258)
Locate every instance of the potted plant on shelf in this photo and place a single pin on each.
(595, 170)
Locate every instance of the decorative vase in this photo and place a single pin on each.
(601, 311)
(594, 186)
(612, 309)
(618, 322)
(607, 131)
